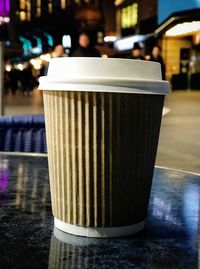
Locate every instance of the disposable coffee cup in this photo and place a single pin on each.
(102, 121)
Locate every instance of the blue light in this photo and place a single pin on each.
(38, 40)
(50, 39)
(27, 46)
(166, 8)
(36, 50)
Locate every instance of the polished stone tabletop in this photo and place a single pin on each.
(170, 240)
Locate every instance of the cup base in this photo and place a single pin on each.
(99, 232)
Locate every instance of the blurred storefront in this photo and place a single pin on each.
(179, 37)
(136, 16)
(136, 21)
(38, 25)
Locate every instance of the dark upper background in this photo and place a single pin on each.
(59, 17)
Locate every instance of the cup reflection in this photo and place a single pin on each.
(68, 251)
(3, 175)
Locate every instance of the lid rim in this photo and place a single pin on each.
(102, 88)
(159, 87)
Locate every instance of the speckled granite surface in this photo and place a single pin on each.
(171, 239)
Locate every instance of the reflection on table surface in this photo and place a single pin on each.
(29, 240)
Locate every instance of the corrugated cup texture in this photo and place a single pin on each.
(101, 151)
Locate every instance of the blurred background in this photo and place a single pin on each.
(31, 30)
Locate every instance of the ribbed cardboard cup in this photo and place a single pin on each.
(102, 121)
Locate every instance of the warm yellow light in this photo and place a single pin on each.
(45, 57)
(118, 2)
(36, 63)
(174, 68)
(63, 4)
(38, 3)
(184, 28)
(28, 16)
(38, 11)
(129, 16)
(197, 38)
(37, 66)
(50, 8)
(8, 67)
(20, 67)
(22, 4)
(22, 15)
(28, 4)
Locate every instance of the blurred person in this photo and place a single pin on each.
(85, 49)
(6, 81)
(11, 80)
(157, 57)
(58, 51)
(27, 80)
(137, 52)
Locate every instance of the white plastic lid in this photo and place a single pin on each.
(104, 75)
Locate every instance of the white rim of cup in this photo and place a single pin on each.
(99, 232)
